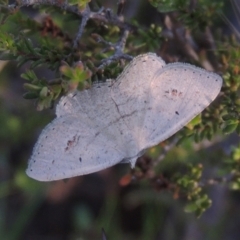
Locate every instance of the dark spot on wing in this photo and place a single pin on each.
(174, 92)
(80, 159)
(177, 112)
(97, 134)
(72, 143)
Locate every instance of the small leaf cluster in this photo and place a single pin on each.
(76, 76)
(189, 184)
(148, 39)
(185, 184)
(190, 13)
(25, 49)
(209, 125)
(46, 92)
(38, 45)
(203, 126)
(230, 54)
(40, 89)
(42, 45)
(169, 5)
(81, 3)
(233, 167)
(37, 56)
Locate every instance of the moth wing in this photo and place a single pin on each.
(178, 93)
(130, 92)
(85, 138)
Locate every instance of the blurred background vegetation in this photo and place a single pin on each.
(184, 191)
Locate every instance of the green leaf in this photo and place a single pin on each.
(29, 45)
(230, 126)
(44, 103)
(31, 87)
(165, 5)
(190, 207)
(56, 89)
(44, 92)
(238, 129)
(29, 75)
(36, 63)
(30, 95)
(197, 120)
(209, 134)
(235, 185)
(227, 117)
(21, 60)
(236, 154)
(197, 137)
(6, 56)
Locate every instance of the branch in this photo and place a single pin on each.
(118, 47)
(218, 180)
(121, 4)
(103, 15)
(165, 150)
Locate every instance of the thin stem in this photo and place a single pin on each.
(85, 18)
(165, 150)
(103, 15)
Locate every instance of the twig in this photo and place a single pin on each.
(118, 47)
(103, 15)
(121, 4)
(165, 150)
(85, 17)
(218, 180)
(104, 237)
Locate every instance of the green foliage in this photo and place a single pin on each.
(37, 46)
(145, 39)
(204, 126)
(192, 14)
(230, 52)
(81, 3)
(190, 184)
(47, 92)
(76, 75)
(21, 40)
(169, 5)
(233, 168)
